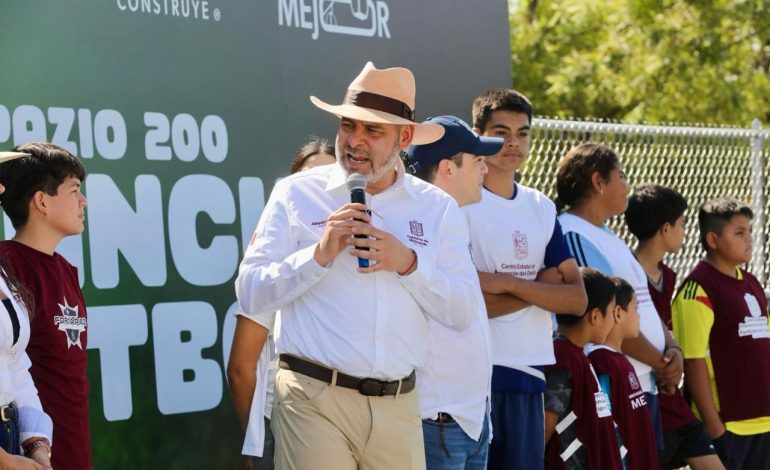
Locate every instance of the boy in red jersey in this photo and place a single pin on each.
(579, 431)
(720, 318)
(617, 375)
(44, 202)
(655, 216)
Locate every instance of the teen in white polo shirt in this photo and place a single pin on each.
(454, 384)
(526, 272)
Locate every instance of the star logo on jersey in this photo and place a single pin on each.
(520, 246)
(633, 381)
(70, 323)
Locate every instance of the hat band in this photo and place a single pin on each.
(383, 103)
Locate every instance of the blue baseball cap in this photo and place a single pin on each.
(458, 137)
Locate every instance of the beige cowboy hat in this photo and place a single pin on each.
(384, 96)
(5, 156)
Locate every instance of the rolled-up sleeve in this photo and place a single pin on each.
(33, 421)
(274, 271)
(447, 289)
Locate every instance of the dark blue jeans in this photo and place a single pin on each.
(447, 447)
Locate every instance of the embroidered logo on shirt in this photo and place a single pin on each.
(754, 325)
(520, 247)
(416, 228)
(416, 233)
(71, 324)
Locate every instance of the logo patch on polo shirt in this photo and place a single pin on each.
(71, 324)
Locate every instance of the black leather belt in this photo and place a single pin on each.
(367, 386)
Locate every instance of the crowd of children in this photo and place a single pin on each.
(719, 320)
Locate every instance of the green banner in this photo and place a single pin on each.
(184, 113)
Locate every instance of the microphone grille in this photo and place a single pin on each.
(356, 181)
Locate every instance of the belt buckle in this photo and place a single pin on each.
(3, 414)
(372, 387)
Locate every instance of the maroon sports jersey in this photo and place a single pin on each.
(595, 428)
(57, 348)
(739, 342)
(629, 408)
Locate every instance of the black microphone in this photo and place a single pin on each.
(357, 185)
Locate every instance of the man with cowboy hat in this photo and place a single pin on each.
(351, 337)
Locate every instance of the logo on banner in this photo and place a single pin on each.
(520, 248)
(185, 9)
(367, 18)
(70, 323)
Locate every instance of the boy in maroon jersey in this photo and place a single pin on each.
(655, 216)
(720, 318)
(44, 202)
(579, 431)
(617, 375)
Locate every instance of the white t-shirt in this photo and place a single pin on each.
(598, 247)
(510, 236)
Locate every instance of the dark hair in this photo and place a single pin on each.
(573, 175)
(499, 99)
(45, 169)
(600, 290)
(315, 146)
(429, 173)
(650, 207)
(624, 292)
(715, 214)
(19, 291)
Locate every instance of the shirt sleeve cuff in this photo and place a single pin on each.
(264, 319)
(34, 423)
(420, 277)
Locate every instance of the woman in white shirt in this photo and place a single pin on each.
(25, 429)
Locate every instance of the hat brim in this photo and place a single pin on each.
(487, 146)
(7, 156)
(423, 133)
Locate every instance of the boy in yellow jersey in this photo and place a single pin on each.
(720, 319)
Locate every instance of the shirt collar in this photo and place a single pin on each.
(338, 178)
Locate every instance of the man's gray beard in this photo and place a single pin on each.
(376, 174)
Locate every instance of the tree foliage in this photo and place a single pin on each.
(644, 60)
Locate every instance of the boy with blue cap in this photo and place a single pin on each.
(454, 385)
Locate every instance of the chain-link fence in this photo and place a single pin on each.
(700, 162)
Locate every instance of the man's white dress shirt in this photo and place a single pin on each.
(365, 325)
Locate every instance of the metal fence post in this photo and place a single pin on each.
(758, 201)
